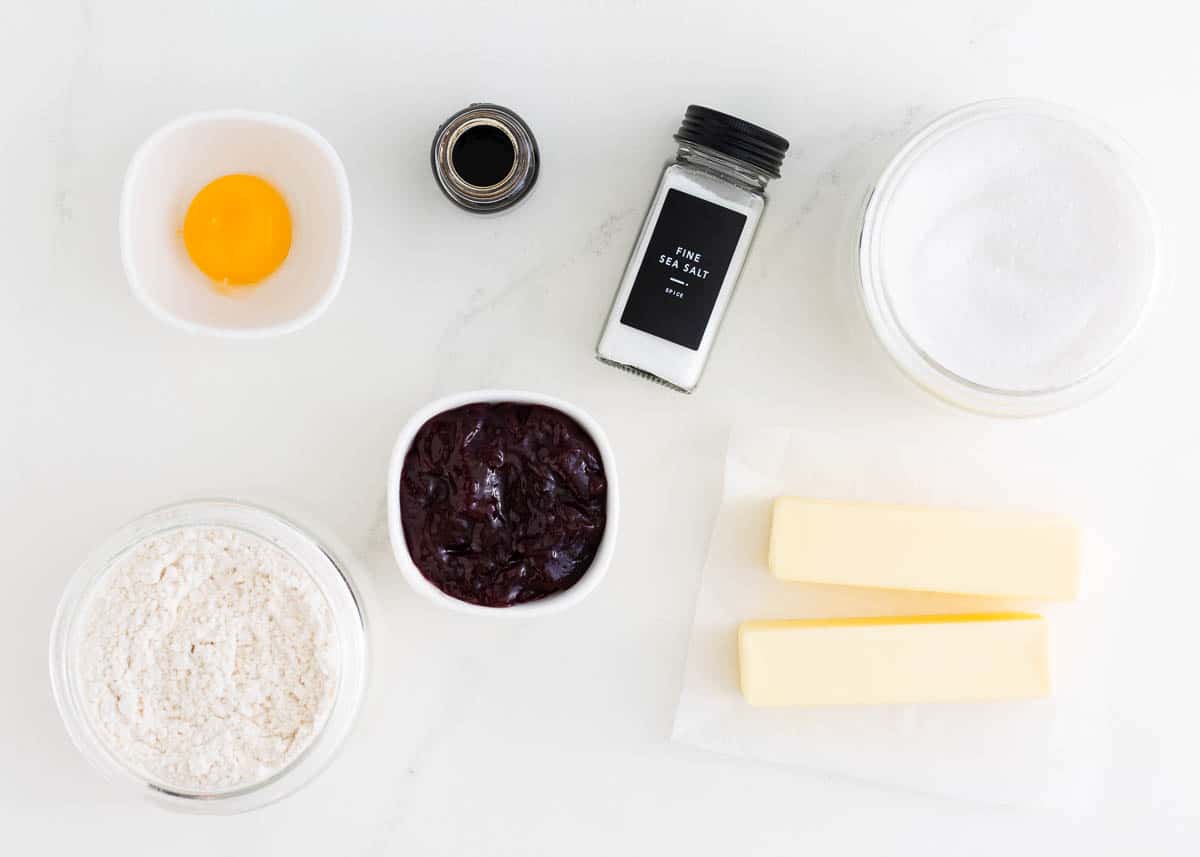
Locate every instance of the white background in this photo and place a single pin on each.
(547, 737)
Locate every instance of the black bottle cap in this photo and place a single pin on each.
(733, 137)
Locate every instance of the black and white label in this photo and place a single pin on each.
(681, 274)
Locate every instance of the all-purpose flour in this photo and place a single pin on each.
(1017, 252)
(209, 658)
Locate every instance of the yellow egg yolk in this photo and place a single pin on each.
(238, 230)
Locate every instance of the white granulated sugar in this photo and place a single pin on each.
(208, 660)
(1018, 253)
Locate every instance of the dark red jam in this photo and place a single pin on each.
(502, 503)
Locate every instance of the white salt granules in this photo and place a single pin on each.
(208, 659)
(1017, 252)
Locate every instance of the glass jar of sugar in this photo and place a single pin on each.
(1011, 257)
(691, 249)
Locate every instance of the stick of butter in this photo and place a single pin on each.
(1000, 554)
(905, 659)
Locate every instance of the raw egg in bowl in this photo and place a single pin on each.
(236, 223)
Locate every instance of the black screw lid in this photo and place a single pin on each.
(734, 137)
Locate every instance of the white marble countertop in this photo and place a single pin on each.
(548, 737)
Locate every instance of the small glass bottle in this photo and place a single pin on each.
(691, 249)
(485, 158)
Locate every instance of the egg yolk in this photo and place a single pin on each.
(238, 230)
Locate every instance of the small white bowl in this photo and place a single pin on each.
(551, 603)
(176, 162)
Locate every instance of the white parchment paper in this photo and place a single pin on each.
(1047, 753)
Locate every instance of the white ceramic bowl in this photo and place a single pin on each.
(551, 603)
(181, 158)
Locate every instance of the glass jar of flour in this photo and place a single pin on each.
(691, 249)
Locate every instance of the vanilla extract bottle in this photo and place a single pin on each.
(691, 249)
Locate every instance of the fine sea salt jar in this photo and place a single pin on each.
(691, 249)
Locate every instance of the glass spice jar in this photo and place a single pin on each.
(691, 249)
